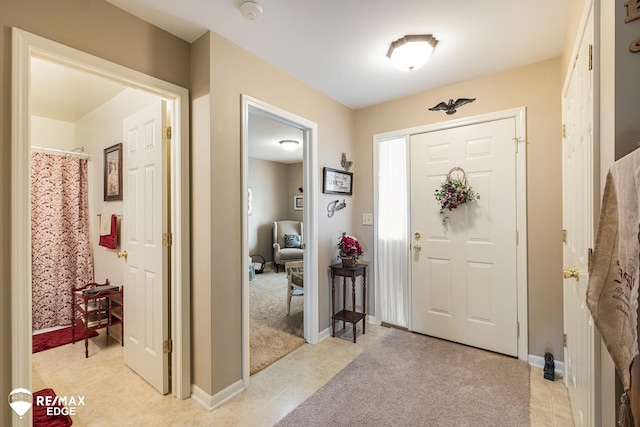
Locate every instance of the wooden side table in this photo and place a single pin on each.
(352, 316)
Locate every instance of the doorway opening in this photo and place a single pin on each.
(25, 47)
(275, 185)
(423, 238)
(254, 108)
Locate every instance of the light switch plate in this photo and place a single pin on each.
(367, 219)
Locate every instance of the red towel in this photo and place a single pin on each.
(111, 241)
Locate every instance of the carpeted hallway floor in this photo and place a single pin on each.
(107, 383)
(273, 333)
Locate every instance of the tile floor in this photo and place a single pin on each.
(116, 396)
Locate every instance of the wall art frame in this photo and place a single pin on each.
(113, 173)
(335, 181)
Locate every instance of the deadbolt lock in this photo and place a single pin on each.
(417, 235)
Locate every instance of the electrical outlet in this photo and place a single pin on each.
(367, 219)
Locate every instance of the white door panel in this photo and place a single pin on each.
(146, 286)
(579, 188)
(464, 285)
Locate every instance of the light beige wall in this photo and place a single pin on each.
(295, 182)
(201, 209)
(93, 26)
(269, 182)
(234, 71)
(536, 87)
(51, 133)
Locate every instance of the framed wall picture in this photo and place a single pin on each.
(298, 203)
(335, 181)
(113, 173)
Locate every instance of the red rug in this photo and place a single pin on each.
(40, 416)
(56, 338)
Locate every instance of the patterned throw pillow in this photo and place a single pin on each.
(292, 241)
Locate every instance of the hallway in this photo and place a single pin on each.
(115, 395)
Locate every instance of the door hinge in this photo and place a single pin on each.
(167, 239)
(564, 236)
(518, 326)
(517, 238)
(166, 132)
(589, 257)
(167, 346)
(564, 130)
(590, 57)
(516, 140)
(564, 340)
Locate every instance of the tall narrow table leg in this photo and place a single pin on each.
(344, 299)
(353, 302)
(333, 305)
(364, 300)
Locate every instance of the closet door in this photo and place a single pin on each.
(146, 317)
(579, 203)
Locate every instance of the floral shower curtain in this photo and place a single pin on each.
(61, 252)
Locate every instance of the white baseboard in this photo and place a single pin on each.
(212, 402)
(538, 362)
(324, 334)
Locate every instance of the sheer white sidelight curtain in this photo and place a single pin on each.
(392, 255)
(60, 248)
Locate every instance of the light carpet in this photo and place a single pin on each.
(407, 379)
(273, 333)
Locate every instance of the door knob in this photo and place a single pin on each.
(568, 273)
(417, 248)
(123, 254)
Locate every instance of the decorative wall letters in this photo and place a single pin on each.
(633, 13)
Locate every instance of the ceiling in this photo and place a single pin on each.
(67, 94)
(264, 139)
(339, 47)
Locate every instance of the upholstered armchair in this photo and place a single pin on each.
(288, 242)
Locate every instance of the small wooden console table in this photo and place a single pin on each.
(95, 307)
(352, 316)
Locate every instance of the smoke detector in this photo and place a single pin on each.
(251, 10)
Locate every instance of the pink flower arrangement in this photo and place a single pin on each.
(454, 192)
(348, 246)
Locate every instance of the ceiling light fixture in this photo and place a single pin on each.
(411, 52)
(251, 10)
(289, 144)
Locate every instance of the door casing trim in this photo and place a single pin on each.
(24, 46)
(310, 219)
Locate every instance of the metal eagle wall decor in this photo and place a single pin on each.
(451, 107)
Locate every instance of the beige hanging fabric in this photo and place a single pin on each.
(612, 292)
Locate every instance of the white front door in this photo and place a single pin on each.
(463, 276)
(146, 325)
(580, 198)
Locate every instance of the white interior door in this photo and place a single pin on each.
(463, 279)
(579, 204)
(146, 325)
